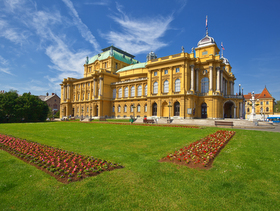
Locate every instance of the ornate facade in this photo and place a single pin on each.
(199, 84)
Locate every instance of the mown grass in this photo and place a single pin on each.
(245, 175)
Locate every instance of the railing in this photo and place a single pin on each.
(234, 96)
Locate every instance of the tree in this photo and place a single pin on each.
(25, 108)
(7, 106)
(277, 106)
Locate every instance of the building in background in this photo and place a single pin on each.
(52, 100)
(263, 107)
(199, 84)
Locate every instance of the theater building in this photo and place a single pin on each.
(199, 84)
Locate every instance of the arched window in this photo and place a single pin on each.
(120, 93)
(125, 108)
(114, 93)
(155, 88)
(177, 85)
(166, 86)
(267, 109)
(146, 90)
(132, 91)
(248, 110)
(119, 109)
(204, 85)
(126, 92)
(139, 90)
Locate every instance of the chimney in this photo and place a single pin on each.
(52, 93)
(47, 94)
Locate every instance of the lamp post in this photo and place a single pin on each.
(133, 106)
(82, 112)
(90, 112)
(169, 105)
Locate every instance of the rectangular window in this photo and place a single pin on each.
(165, 72)
(113, 109)
(177, 70)
(145, 108)
(155, 73)
(90, 69)
(138, 108)
(77, 110)
(204, 53)
(87, 109)
(119, 109)
(116, 66)
(88, 96)
(88, 84)
(105, 65)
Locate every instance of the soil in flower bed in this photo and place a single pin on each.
(65, 166)
(201, 154)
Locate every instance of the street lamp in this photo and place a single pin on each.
(169, 105)
(133, 106)
(82, 112)
(90, 111)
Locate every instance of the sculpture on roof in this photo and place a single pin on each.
(151, 56)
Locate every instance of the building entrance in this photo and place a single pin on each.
(204, 111)
(228, 110)
(154, 112)
(177, 109)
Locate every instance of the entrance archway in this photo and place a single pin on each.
(154, 109)
(177, 109)
(229, 109)
(165, 109)
(96, 111)
(203, 110)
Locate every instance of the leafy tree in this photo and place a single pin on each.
(57, 115)
(277, 106)
(7, 106)
(25, 108)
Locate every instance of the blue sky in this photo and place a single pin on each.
(44, 41)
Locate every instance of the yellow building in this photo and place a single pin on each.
(199, 84)
(263, 106)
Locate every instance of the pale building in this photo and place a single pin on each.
(263, 106)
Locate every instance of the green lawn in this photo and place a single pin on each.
(245, 175)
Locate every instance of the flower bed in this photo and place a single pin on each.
(63, 165)
(202, 152)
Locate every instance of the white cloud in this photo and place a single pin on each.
(100, 3)
(5, 70)
(138, 35)
(3, 61)
(11, 5)
(85, 32)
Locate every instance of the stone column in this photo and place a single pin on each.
(64, 93)
(160, 82)
(101, 86)
(218, 79)
(196, 75)
(234, 112)
(192, 77)
(171, 79)
(211, 78)
(221, 81)
(149, 83)
(68, 91)
(182, 88)
(94, 87)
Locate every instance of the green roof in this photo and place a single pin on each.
(116, 55)
(134, 66)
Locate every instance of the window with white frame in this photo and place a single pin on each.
(126, 92)
(138, 108)
(145, 108)
(166, 86)
(114, 93)
(146, 90)
(204, 85)
(177, 85)
(120, 93)
(119, 108)
(177, 70)
(125, 108)
(155, 88)
(139, 90)
(132, 91)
